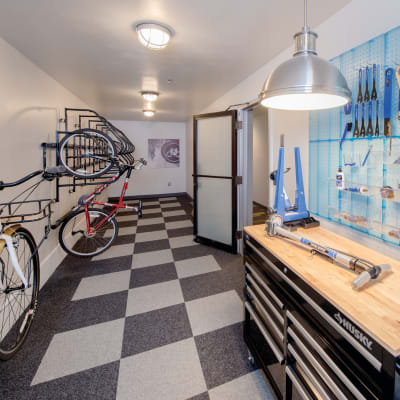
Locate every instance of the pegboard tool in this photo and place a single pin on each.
(398, 82)
(387, 106)
(377, 119)
(356, 132)
(362, 131)
(360, 95)
(370, 131)
(374, 93)
(366, 95)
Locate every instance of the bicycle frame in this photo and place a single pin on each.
(115, 207)
(13, 255)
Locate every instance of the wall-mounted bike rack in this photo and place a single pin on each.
(76, 120)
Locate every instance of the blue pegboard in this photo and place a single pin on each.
(367, 212)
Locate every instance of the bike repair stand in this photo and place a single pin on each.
(297, 214)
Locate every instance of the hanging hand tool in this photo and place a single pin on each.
(370, 131)
(362, 131)
(366, 95)
(374, 93)
(347, 128)
(377, 119)
(387, 106)
(365, 269)
(356, 132)
(398, 82)
(360, 96)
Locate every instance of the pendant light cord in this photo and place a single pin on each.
(306, 28)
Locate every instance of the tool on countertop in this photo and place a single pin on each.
(365, 269)
(367, 155)
(374, 93)
(362, 131)
(347, 128)
(387, 192)
(398, 82)
(370, 131)
(377, 119)
(357, 189)
(296, 214)
(387, 106)
(360, 95)
(356, 132)
(366, 95)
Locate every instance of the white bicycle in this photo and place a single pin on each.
(19, 264)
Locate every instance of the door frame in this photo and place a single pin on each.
(233, 178)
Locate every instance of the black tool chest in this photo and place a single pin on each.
(307, 347)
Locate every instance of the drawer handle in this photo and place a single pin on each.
(376, 363)
(266, 335)
(339, 394)
(267, 289)
(299, 386)
(265, 298)
(307, 371)
(322, 353)
(272, 323)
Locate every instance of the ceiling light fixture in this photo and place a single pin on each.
(149, 95)
(148, 113)
(153, 35)
(306, 81)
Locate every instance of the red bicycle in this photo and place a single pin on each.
(90, 231)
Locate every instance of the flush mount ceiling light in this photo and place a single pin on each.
(149, 95)
(306, 81)
(148, 113)
(153, 35)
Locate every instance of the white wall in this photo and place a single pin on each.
(346, 29)
(31, 103)
(153, 180)
(261, 168)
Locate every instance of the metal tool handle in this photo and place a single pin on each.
(366, 75)
(370, 110)
(356, 112)
(360, 76)
(374, 73)
(363, 111)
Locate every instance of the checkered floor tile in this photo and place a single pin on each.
(157, 316)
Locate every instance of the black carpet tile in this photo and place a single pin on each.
(151, 275)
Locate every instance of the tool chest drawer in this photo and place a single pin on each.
(323, 353)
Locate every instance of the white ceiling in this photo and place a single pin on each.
(90, 47)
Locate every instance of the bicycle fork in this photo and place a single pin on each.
(14, 259)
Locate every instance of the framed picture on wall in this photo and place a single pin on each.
(163, 153)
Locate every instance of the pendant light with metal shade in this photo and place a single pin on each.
(306, 81)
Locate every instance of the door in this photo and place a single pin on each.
(215, 179)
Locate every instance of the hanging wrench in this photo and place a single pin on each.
(356, 132)
(387, 106)
(370, 131)
(360, 96)
(398, 82)
(377, 119)
(362, 131)
(366, 95)
(374, 93)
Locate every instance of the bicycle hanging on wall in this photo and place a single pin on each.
(89, 153)
(19, 262)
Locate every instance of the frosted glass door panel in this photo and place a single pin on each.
(214, 146)
(214, 209)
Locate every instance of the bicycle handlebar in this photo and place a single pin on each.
(49, 174)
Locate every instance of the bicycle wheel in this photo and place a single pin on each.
(87, 153)
(17, 305)
(75, 239)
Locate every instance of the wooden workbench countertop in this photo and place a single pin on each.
(375, 308)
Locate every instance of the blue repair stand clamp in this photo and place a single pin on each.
(297, 214)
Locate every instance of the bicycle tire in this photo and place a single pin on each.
(85, 245)
(22, 324)
(83, 165)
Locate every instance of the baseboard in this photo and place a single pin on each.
(50, 264)
(259, 204)
(149, 196)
